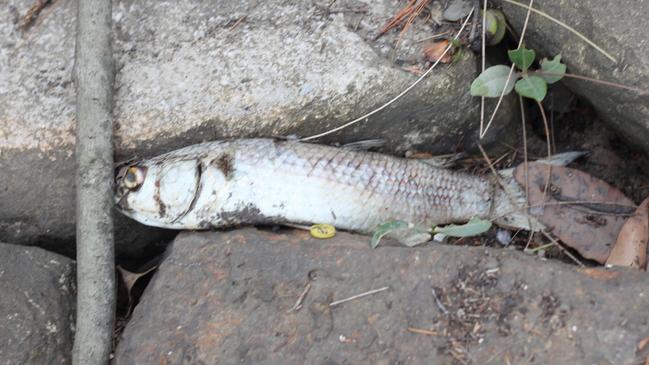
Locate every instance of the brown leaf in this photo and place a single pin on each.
(631, 246)
(643, 343)
(586, 213)
(130, 279)
(599, 273)
(433, 52)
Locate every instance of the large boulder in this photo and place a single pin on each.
(37, 305)
(617, 27)
(192, 71)
(230, 298)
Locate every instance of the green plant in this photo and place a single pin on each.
(501, 79)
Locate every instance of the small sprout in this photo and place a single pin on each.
(492, 82)
(553, 70)
(495, 26)
(474, 227)
(533, 87)
(522, 57)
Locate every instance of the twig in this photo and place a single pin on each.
(236, 24)
(569, 28)
(549, 146)
(576, 260)
(593, 80)
(509, 76)
(484, 60)
(450, 45)
(433, 36)
(300, 299)
(32, 14)
(439, 303)
(333, 304)
(94, 77)
(422, 331)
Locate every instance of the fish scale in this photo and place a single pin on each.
(265, 181)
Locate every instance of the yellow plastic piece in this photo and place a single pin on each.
(322, 231)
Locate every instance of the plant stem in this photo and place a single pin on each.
(596, 81)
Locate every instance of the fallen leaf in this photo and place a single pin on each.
(599, 273)
(631, 246)
(434, 51)
(130, 279)
(643, 343)
(585, 212)
(474, 227)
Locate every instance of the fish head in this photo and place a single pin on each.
(158, 193)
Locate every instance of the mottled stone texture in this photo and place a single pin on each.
(227, 298)
(37, 304)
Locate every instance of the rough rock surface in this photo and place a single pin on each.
(37, 302)
(191, 71)
(226, 297)
(616, 26)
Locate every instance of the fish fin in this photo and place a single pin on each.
(562, 159)
(364, 145)
(510, 202)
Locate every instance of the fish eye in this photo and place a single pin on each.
(134, 177)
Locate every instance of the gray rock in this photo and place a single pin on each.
(189, 72)
(617, 27)
(37, 303)
(457, 9)
(227, 298)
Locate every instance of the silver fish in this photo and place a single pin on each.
(264, 181)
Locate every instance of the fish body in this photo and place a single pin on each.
(265, 181)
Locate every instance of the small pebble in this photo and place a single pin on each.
(504, 237)
(439, 237)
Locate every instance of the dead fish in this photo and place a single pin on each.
(265, 181)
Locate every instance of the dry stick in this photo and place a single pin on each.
(300, 299)
(593, 80)
(509, 76)
(94, 156)
(450, 45)
(333, 304)
(484, 39)
(526, 167)
(433, 36)
(566, 26)
(422, 331)
(576, 260)
(549, 145)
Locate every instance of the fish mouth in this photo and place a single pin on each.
(121, 199)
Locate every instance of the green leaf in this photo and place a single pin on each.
(406, 233)
(553, 67)
(384, 229)
(474, 227)
(522, 57)
(532, 87)
(493, 81)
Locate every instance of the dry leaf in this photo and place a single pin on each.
(599, 273)
(586, 213)
(643, 343)
(433, 52)
(130, 279)
(631, 246)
